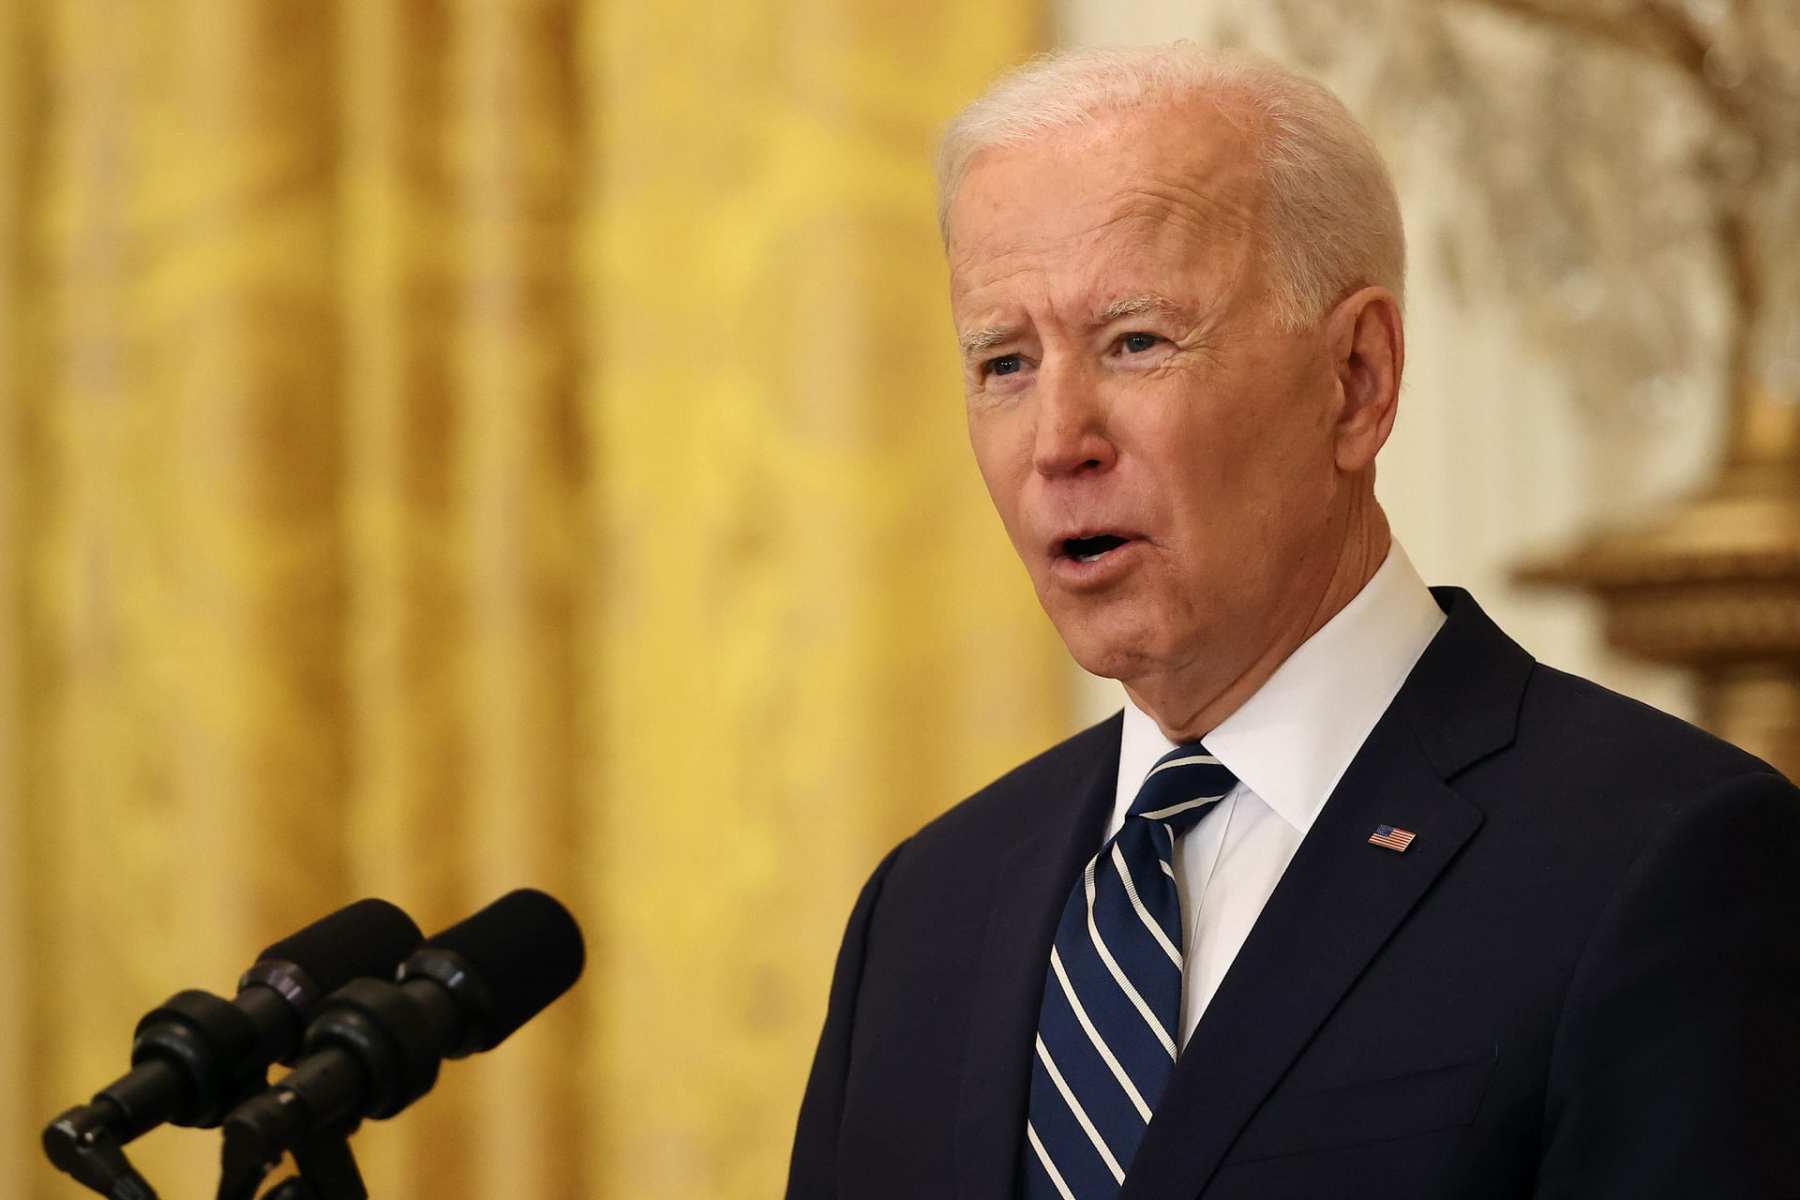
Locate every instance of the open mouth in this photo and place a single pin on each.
(1091, 549)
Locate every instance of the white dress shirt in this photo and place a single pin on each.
(1288, 745)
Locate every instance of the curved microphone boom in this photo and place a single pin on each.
(196, 1056)
(375, 1047)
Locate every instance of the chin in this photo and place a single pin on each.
(1132, 637)
(1112, 650)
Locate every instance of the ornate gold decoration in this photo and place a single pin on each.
(1713, 584)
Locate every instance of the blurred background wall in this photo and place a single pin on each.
(447, 445)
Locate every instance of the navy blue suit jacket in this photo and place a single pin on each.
(1581, 980)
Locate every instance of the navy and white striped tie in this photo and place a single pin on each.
(1108, 1029)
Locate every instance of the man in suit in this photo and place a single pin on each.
(1354, 898)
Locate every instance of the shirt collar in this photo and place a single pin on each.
(1293, 739)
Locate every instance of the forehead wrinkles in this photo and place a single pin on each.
(1158, 235)
(1224, 212)
(1168, 199)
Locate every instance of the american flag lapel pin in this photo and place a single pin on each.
(1396, 840)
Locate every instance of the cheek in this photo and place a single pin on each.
(1245, 483)
(1003, 457)
(1277, 438)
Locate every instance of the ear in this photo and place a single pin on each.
(1368, 351)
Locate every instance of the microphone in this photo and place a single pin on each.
(196, 1056)
(374, 1047)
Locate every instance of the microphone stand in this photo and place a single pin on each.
(328, 1169)
(81, 1144)
(327, 1172)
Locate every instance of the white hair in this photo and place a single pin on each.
(1333, 220)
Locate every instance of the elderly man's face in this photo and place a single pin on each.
(1160, 452)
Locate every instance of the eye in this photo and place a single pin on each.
(1137, 343)
(1006, 364)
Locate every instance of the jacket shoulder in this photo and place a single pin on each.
(1581, 730)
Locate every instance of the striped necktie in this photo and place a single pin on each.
(1112, 994)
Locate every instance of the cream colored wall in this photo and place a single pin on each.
(1496, 456)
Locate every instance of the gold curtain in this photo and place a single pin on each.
(454, 444)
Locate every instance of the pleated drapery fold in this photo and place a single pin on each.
(448, 446)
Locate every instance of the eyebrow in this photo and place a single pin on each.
(1135, 306)
(977, 340)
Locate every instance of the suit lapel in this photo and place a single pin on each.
(1031, 886)
(1340, 899)
(1338, 902)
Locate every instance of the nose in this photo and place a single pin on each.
(1071, 436)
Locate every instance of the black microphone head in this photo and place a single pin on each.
(369, 937)
(524, 949)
